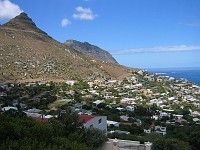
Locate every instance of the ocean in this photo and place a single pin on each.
(191, 74)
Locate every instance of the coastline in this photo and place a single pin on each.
(190, 73)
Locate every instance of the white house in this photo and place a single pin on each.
(147, 131)
(98, 122)
(8, 108)
(97, 102)
(114, 123)
(70, 82)
(161, 130)
(125, 118)
(112, 81)
(141, 72)
(164, 114)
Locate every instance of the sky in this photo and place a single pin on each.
(138, 33)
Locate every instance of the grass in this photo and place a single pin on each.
(57, 104)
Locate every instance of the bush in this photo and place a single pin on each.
(170, 144)
(94, 137)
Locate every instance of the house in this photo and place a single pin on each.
(129, 108)
(70, 82)
(196, 119)
(97, 102)
(78, 108)
(120, 132)
(161, 130)
(181, 120)
(90, 84)
(127, 100)
(112, 81)
(164, 114)
(124, 118)
(114, 123)
(123, 94)
(34, 110)
(22, 105)
(150, 78)
(120, 108)
(3, 94)
(133, 79)
(98, 122)
(155, 117)
(8, 108)
(147, 131)
(141, 72)
(178, 116)
(171, 98)
(4, 86)
(154, 101)
(159, 79)
(94, 92)
(195, 113)
(117, 144)
(137, 123)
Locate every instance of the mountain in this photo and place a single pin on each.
(29, 54)
(23, 22)
(91, 50)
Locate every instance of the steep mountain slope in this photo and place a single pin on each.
(91, 50)
(26, 52)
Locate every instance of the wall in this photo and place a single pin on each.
(95, 123)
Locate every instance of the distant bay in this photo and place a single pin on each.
(192, 74)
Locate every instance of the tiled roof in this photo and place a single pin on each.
(86, 118)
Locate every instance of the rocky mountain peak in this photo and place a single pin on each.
(22, 22)
(91, 50)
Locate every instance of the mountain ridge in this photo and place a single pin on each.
(91, 50)
(28, 53)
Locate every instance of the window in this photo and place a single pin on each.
(91, 126)
(100, 120)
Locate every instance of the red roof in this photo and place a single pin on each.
(86, 118)
(40, 119)
(129, 123)
(137, 124)
(181, 120)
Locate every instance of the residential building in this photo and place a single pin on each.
(98, 122)
(114, 123)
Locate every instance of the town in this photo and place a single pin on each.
(135, 108)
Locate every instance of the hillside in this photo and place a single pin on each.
(91, 50)
(28, 53)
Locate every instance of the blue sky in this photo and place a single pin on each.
(139, 33)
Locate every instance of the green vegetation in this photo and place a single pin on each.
(23, 133)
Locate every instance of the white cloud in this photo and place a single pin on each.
(8, 9)
(65, 22)
(84, 14)
(158, 49)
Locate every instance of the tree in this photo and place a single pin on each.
(15, 113)
(71, 122)
(170, 144)
(195, 140)
(94, 137)
(134, 129)
(24, 133)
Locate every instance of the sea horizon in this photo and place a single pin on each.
(190, 73)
